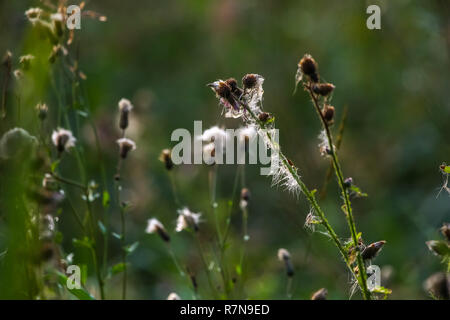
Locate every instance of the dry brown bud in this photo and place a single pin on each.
(309, 67)
(324, 89)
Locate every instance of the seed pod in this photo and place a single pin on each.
(125, 145)
(285, 256)
(328, 114)
(263, 117)
(324, 89)
(320, 294)
(372, 250)
(166, 158)
(308, 67)
(445, 229)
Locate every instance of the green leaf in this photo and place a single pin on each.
(85, 242)
(357, 191)
(129, 249)
(116, 235)
(58, 237)
(81, 294)
(116, 269)
(447, 169)
(238, 269)
(54, 165)
(106, 199)
(381, 290)
(84, 273)
(102, 227)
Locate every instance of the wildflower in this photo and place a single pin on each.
(445, 229)
(63, 139)
(328, 114)
(438, 285)
(125, 107)
(166, 158)
(187, 219)
(308, 67)
(245, 197)
(224, 94)
(42, 111)
(173, 296)
(320, 294)
(372, 250)
(126, 145)
(285, 256)
(25, 61)
(323, 89)
(33, 14)
(154, 226)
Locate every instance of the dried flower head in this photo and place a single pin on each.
(285, 256)
(187, 220)
(445, 230)
(224, 94)
(63, 139)
(320, 294)
(323, 89)
(173, 296)
(328, 114)
(372, 250)
(125, 107)
(251, 81)
(308, 67)
(166, 158)
(126, 145)
(232, 83)
(154, 226)
(42, 111)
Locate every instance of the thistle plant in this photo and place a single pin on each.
(246, 103)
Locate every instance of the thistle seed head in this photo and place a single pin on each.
(232, 83)
(125, 107)
(308, 67)
(323, 89)
(63, 139)
(320, 294)
(372, 250)
(154, 226)
(187, 220)
(126, 145)
(328, 114)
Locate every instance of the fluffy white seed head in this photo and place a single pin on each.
(125, 105)
(283, 254)
(63, 139)
(187, 219)
(126, 145)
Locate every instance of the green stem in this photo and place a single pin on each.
(350, 219)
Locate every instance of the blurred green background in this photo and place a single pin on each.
(161, 54)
